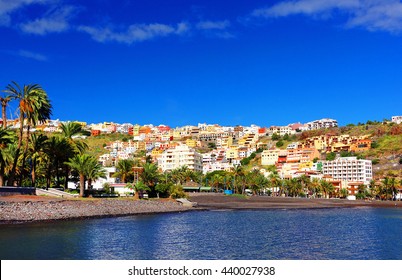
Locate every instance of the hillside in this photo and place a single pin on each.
(386, 151)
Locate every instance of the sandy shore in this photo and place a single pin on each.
(25, 208)
(220, 201)
(22, 209)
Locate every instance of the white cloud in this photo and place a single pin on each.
(134, 33)
(32, 55)
(385, 15)
(53, 21)
(7, 7)
(308, 7)
(217, 25)
(215, 29)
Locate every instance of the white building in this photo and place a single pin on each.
(180, 156)
(397, 119)
(210, 167)
(323, 123)
(270, 157)
(349, 169)
(281, 130)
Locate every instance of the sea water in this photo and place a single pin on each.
(318, 234)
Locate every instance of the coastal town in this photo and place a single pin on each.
(206, 149)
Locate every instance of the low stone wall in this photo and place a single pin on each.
(7, 191)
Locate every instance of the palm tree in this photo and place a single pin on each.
(36, 152)
(7, 138)
(327, 188)
(4, 101)
(275, 182)
(58, 151)
(124, 169)
(304, 182)
(150, 175)
(95, 171)
(216, 181)
(71, 129)
(182, 174)
(238, 172)
(80, 163)
(388, 188)
(140, 187)
(315, 187)
(294, 187)
(34, 107)
(256, 181)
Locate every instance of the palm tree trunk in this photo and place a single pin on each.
(66, 173)
(1, 174)
(3, 112)
(25, 154)
(33, 175)
(17, 152)
(82, 185)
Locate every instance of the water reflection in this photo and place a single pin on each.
(365, 233)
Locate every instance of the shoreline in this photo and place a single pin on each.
(23, 209)
(220, 201)
(34, 209)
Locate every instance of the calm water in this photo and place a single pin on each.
(364, 233)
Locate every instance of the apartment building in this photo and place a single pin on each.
(397, 119)
(270, 157)
(349, 169)
(181, 155)
(302, 155)
(210, 167)
(323, 123)
(281, 130)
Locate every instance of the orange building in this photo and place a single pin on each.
(95, 132)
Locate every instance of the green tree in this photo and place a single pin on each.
(238, 173)
(4, 102)
(275, 137)
(80, 163)
(139, 188)
(7, 138)
(36, 153)
(293, 187)
(279, 144)
(70, 131)
(344, 193)
(330, 156)
(94, 171)
(163, 189)
(34, 107)
(216, 181)
(315, 187)
(257, 181)
(177, 192)
(150, 175)
(57, 151)
(124, 169)
(327, 188)
(275, 182)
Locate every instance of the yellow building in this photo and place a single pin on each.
(191, 143)
(270, 157)
(232, 153)
(136, 130)
(139, 145)
(304, 166)
(176, 134)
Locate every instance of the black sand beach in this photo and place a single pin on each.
(26, 208)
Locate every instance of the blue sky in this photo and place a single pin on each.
(183, 62)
